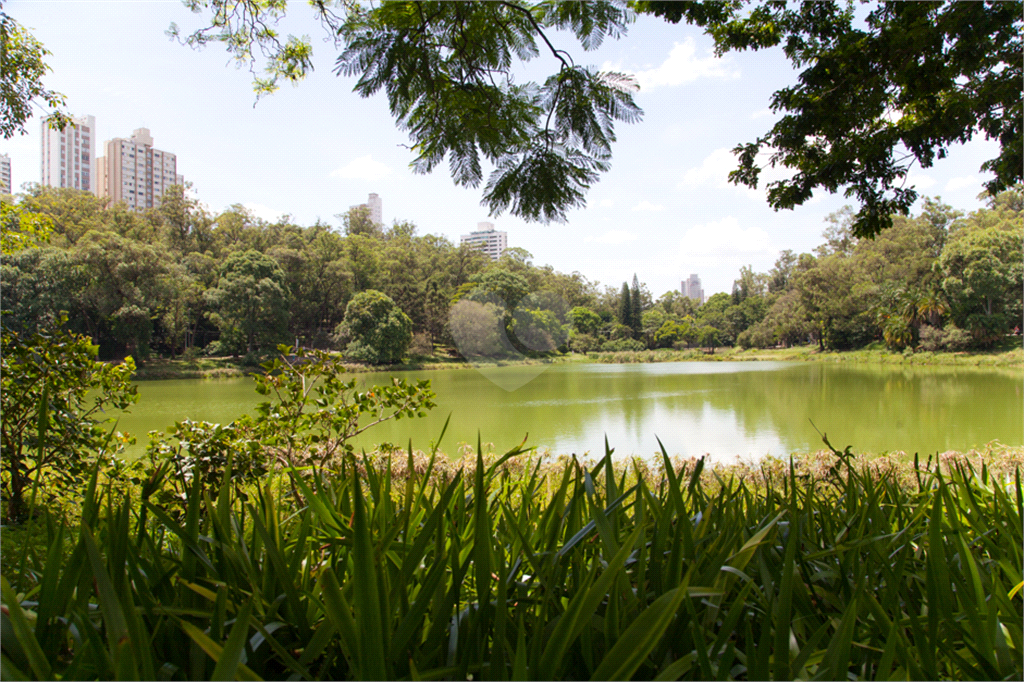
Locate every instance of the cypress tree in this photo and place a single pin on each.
(625, 308)
(635, 312)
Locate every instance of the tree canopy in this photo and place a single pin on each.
(21, 71)
(875, 95)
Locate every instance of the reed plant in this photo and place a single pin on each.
(510, 569)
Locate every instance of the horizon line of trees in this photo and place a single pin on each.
(179, 279)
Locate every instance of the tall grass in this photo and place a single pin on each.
(506, 573)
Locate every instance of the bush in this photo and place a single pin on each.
(421, 345)
(53, 395)
(623, 344)
(955, 339)
(582, 343)
(951, 338)
(375, 330)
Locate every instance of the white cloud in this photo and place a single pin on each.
(681, 66)
(961, 182)
(606, 203)
(760, 114)
(713, 171)
(363, 168)
(714, 242)
(922, 181)
(613, 237)
(264, 212)
(648, 206)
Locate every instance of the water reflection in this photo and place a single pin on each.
(724, 409)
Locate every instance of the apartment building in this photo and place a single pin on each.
(132, 170)
(5, 174)
(376, 208)
(67, 155)
(692, 288)
(487, 239)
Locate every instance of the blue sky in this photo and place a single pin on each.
(664, 211)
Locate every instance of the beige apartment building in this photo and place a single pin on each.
(67, 155)
(375, 206)
(693, 289)
(134, 172)
(487, 239)
(5, 174)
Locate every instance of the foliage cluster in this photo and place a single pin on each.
(936, 281)
(877, 90)
(53, 393)
(506, 572)
(177, 277)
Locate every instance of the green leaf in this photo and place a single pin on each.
(231, 655)
(29, 644)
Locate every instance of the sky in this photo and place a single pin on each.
(665, 209)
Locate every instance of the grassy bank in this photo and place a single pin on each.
(388, 568)
(1009, 355)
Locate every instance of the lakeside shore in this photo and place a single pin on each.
(1005, 357)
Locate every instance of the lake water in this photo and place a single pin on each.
(725, 409)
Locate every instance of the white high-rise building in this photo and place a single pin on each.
(5, 174)
(134, 172)
(692, 289)
(487, 239)
(67, 156)
(376, 207)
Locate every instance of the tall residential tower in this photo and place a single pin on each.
(134, 172)
(487, 239)
(68, 154)
(5, 174)
(376, 208)
(692, 289)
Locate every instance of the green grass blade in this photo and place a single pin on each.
(373, 665)
(231, 655)
(580, 609)
(214, 650)
(338, 611)
(640, 638)
(30, 645)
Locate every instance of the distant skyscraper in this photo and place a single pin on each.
(5, 174)
(134, 172)
(691, 288)
(487, 239)
(376, 206)
(68, 154)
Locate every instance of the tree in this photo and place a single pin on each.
(874, 96)
(873, 100)
(375, 330)
(53, 393)
(585, 320)
(709, 337)
(21, 71)
(251, 300)
(984, 278)
(625, 307)
(635, 307)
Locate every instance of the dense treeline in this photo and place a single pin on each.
(180, 279)
(939, 280)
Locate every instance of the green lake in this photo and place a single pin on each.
(726, 409)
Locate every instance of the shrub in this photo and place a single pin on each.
(955, 339)
(582, 343)
(421, 345)
(622, 345)
(53, 393)
(930, 338)
(375, 330)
